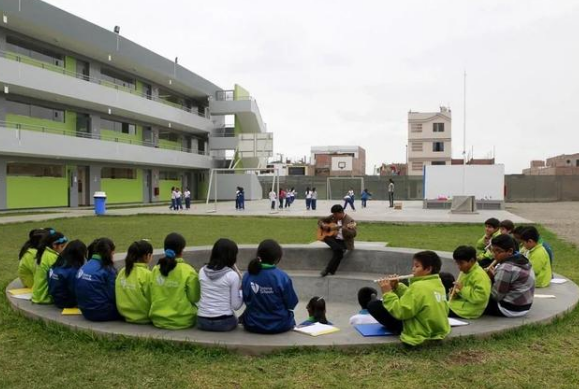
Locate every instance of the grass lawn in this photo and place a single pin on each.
(36, 355)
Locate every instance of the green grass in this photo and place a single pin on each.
(37, 355)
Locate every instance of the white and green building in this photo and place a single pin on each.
(82, 109)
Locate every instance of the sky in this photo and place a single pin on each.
(333, 72)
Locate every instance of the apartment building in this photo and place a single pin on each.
(561, 165)
(83, 109)
(429, 140)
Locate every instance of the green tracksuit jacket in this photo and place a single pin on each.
(480, 247)
(539, 259)
(473, 298)
(27, 268)
(40, 288)
(422, 307)
(173, 298)
(133, 294)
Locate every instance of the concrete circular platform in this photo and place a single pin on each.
(303, 263)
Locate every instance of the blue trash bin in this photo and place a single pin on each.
(100, 203)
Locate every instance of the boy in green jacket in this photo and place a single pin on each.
(472, 290)
(483, 245)
(538, 256)
(418, 312)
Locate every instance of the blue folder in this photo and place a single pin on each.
(372, 330)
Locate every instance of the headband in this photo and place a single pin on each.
(62, 240)
(170, 254)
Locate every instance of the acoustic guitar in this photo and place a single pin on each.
(331, 230)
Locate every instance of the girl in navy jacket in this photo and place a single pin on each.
(62, 275)
(95, 283)
(268, 293)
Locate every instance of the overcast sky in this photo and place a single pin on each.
(346, 73)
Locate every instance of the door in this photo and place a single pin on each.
(83, 125)
(83, 187)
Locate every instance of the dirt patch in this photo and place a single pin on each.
(467, 357)
(561, 218)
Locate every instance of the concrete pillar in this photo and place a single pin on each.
(73, 187)
(95, 126)
(194, 146)
(2, 104)
(94, 183)
(94, 69)
(2, 39)
(3, 185)
(155, 184)
(155, 91)
(147, 188)
(155, 136)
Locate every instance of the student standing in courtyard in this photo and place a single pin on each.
(308, 198)
(272, 198)
(391, 193)
(364, 197)
(314, 199)
(187, 195)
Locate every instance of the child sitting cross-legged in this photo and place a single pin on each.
(483, 245)
(365, 295)
(513, 280)
(62, 275)
(472, 290)
(538, 256)
(316, 312)
(418, 312)
(133, 284)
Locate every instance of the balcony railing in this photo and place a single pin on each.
(88, 135)
(100, 81)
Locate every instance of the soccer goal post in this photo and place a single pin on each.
(341, 185)
(216, 191)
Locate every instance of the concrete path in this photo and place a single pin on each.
(377, 211)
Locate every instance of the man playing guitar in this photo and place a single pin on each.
(338, 231)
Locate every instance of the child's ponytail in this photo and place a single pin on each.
(104, 248)
(136, 252)
(34, 238)
(173, 245)
(317, 309)
(269, 252)
(51, 238)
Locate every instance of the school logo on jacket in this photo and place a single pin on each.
(79, 274)
(160, 280)
(255, 287)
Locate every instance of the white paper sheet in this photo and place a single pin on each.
(558, 281)
(456, 323)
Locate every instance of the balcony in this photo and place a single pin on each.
(244, 108)
(37, 141)
(33, 78)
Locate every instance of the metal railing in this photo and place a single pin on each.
(100, 81)
(88, 135)
(229, 95)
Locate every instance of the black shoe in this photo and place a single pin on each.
(324, 273)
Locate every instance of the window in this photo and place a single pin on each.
(438, 127)
(437, 147)
(117, 79)
(35, 170)
(438, 163)
(416, 127)
(417, 166)
(417, 146)
(22, 47)
(125, 128)
(118, 173)
(168, 136)
(168, 175)
(35, 111)
(577, 162)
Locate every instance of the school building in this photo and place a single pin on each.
(83, 109)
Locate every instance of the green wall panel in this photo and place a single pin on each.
(124, 138)
(70, 64)
(122, 190)
(68, 127)
(165, 189)
(169, 145)
(36, 192)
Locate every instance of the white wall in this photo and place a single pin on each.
(482, 181)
